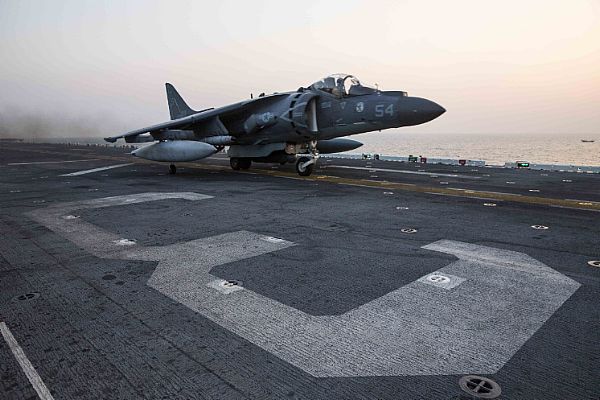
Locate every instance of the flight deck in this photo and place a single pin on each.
(369, 279)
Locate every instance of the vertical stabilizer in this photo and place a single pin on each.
(177, 107)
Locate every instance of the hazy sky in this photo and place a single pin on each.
(524, 66)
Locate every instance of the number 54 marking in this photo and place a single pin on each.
(380, 111)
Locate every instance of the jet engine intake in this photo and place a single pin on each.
(303, 114)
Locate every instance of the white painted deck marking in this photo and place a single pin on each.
(89, 171)
(34, 378)
(53, 162)
(492, 302)
(89, 236)
(124, 242)
(400, 171)
(396, 334)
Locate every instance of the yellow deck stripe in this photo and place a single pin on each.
(467, 193)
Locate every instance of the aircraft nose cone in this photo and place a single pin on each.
(434, 110)
(415, 111)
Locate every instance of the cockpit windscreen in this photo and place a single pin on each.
(343, 85)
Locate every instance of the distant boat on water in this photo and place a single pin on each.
(587, 141)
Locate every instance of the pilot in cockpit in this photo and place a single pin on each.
(342, 85)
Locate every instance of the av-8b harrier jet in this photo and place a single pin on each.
(280, 127)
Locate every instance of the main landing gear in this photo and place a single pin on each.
(238, 163)
(172, 169)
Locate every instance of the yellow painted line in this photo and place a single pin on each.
(476, 194)
(455, 192)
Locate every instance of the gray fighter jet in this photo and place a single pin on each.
(291, 127)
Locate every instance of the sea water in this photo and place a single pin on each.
(494, 149)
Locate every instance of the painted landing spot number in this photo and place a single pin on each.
(391, 335)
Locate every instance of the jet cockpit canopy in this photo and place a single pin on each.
(342, 85)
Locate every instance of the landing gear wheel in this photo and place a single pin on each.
(304, 170)
(245, 163)
(235, 163)
(172, 169)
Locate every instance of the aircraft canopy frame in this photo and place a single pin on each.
(343, 85)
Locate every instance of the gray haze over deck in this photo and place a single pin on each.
(513, 67)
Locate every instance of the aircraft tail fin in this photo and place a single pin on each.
(177, 106)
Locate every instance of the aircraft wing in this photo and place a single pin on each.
(191, 121)
(180, 123)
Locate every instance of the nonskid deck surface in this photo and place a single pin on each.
(369, 279)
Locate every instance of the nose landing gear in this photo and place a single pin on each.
(172, 169)
(306, 164)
